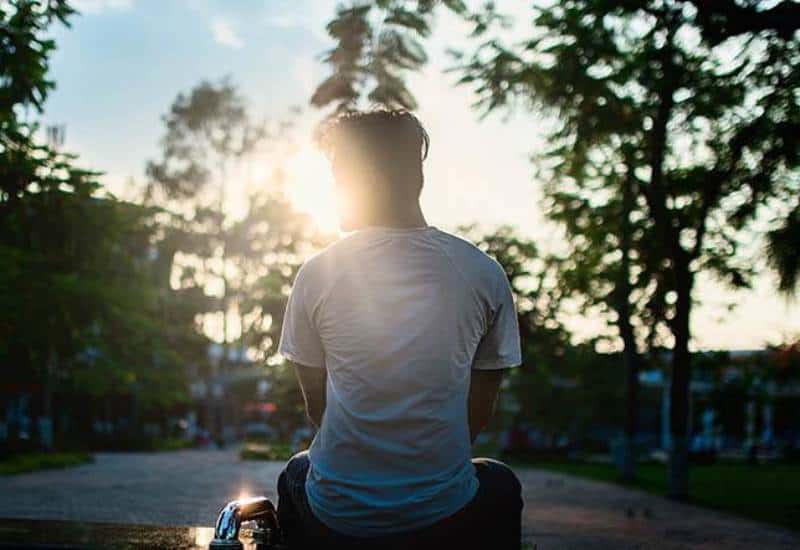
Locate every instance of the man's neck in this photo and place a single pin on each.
(400, 220)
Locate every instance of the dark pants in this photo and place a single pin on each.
(491, 520)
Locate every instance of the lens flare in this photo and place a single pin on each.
(310, 187)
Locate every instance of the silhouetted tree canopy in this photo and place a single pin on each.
(674, 139)
(705, 131)
(377, 44)
(79, 286)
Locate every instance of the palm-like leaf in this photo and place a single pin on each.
(783, 253)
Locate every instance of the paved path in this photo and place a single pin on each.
(188, 487)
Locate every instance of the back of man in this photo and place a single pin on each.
(398, 334)
(398, 317)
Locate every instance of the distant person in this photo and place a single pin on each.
(400, 334)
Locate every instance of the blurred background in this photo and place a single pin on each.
(632, 165)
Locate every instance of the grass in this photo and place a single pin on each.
(266, 451)
(31, 462)
(172, 444)
(766, 492)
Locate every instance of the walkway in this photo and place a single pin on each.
(189, 487)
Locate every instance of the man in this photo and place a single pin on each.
(399, 334)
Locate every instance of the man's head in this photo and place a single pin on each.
(376, 158)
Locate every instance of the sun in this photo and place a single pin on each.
(309, 186)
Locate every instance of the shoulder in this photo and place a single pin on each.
(324, 263)
(471, 260)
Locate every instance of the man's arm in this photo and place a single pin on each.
(483, 389)
(312, 384)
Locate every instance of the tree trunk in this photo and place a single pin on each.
(630, 353)
(628, 458)
(669, 241)
(219, 421)
(44, 424)
(679, 390)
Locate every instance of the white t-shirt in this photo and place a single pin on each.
(398, 317)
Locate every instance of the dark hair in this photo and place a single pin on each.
(394, 142)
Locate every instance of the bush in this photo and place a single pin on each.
(31, 462)
(266, 451)
(140, 442)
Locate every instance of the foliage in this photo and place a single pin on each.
(703, 128)
(267, 451)
(252, 258)
(783, 252)
(25, 50)
(81, 297)
(238, 267)
(205, 129)
(266, 247)
(738, 116)
(377, 44)
(77, 284)
(31, 462)
(562, 389)
(534, 283)
(674, 131)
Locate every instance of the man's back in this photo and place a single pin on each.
(398, 317)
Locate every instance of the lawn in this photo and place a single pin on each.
(767, 492)
(266, 451)
(30, 462)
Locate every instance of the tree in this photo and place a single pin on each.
(25, 49)
(609, 289)
(208, 131)
(29, 168)
(638, 85)
(79, 298)
(708, 116)
(608, 267)
(246, 261)
(783, 252)
(101, 270)
(377, 44)
(563, 390)
(545, 341)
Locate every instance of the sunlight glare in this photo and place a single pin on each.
(310, 187)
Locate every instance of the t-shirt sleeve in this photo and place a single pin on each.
(300, 341)
(500, 347)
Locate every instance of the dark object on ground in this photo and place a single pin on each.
(258, 509)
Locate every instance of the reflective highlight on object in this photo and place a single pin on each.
(230, 519)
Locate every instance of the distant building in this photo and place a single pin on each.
(738, 400)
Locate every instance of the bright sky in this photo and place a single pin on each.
(123, 62)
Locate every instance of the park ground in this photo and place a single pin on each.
(765, 492)
(561, 511)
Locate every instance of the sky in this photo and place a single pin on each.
(121, 64)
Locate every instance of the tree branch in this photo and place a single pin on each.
(655, 193)
(723, 19)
